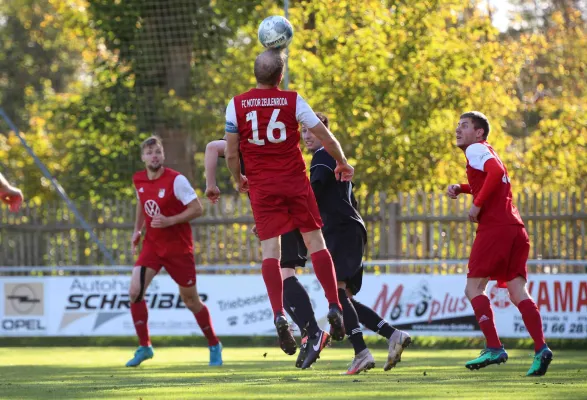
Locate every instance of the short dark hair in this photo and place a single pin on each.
(480, 121)
(269, 66)
(322, 117)
(151, 141)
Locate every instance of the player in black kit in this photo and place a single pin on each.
(346, 237)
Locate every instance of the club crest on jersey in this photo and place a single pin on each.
(161, 193)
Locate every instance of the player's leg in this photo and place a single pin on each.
(140, 280)
(397, 340)
(493, 352)
(363, 359)
(296, 297)
(324, 270)
(192, 301)
(272, 220)
(487, 260)
(296, 300)
(183, 271)
(522, 299)
(271, 271)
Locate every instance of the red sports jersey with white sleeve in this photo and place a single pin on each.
(498, 209)
(267, 121)
(167, 195)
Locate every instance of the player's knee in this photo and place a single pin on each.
(341, 284)
(193, 303)
(518, 294)
(350, 295)
(135, 295)
(471, 292)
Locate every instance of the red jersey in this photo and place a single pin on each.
(498, 209)
(267, 122)
(167, 195)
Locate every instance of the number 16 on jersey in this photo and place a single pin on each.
(273, 125)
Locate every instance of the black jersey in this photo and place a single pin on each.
(336, 200)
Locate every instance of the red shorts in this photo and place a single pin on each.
(278, 213)
(500, 253)
(181, 267)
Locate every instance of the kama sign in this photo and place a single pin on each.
(421, 304)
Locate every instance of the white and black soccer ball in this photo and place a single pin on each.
(275, 32)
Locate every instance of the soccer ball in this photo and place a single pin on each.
(275, 32)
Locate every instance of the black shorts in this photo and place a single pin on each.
(293, 250)
(347, 246)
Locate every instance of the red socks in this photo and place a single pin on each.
(484, 315)
(324, 270)
(533, 322)
(203, 318)
(271, 271)
(140, 317)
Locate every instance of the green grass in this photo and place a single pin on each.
(266, 373)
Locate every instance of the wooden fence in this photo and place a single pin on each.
(420, 226)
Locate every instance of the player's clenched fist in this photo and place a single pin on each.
(453, 191)
(344, 172)
(243, 185)
(161, 221)
(213, 194)
(13, 199)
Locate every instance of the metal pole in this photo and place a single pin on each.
(58, 187)
(286, 77)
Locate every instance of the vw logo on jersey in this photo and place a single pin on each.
(152, 208)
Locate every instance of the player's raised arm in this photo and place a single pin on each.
(231, 153)
(214, 149)
(10, 195)
(306, 116)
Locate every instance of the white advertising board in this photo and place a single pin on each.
(432, 305)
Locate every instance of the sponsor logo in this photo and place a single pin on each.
(24, 299)
(23, 302)
(107, 299)
(418, 304)
(152, 208)
(499, 297)
(316, 347)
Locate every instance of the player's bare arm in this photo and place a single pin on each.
(343, 170)
(233, 162)
(10, 195)
(214, 149)
(139, 224)
(193, 210)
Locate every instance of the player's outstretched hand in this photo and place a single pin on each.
(453, 191)
(135, 240)
(13, 200)
(213, 194)
(161, 221)
(243, 185)
(474, 213)
(344, 172)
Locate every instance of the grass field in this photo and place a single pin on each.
(266, 373)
